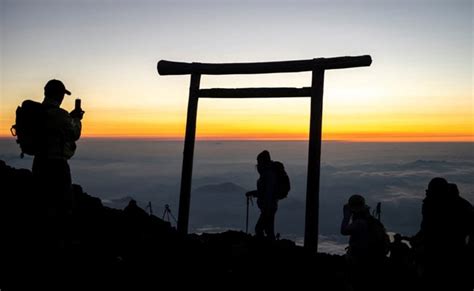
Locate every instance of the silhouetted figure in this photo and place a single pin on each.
(402, 267)
(132, 210)
(56, 144)
(267, 199)
(368, 244)
(399, 251)
(442, 241)
(50, 167)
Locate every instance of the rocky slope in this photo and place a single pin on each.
(97, 247)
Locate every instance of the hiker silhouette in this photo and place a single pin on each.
(368, 244)
(50, 165)
(134, 211)
(400, 255)
(267, 199)
(442, 242)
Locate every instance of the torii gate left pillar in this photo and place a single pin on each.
(317, 66)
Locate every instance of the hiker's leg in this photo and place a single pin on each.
(65, 186)
(259, 227)
(270, 224)
(56, 179)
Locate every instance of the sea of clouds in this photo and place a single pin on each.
(395, 174)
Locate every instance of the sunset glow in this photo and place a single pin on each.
(419, 87)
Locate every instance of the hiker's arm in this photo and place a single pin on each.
(72, 128)
(68, 127)
(77, 128)
(355, 226)
(345, 225)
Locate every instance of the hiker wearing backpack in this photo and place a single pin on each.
(272, 185)
(368, 243)
(53, 143)
(442, 242)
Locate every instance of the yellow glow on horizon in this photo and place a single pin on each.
(159, 111)
(280, 121)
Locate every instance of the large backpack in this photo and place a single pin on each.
(30, 127)
(283, 181)
(379, 241)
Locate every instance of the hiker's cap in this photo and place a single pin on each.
(56, 86)
(357, 203)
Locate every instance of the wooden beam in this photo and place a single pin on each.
(255, 92)
(179, 68)
(314, 163)
(188, 153)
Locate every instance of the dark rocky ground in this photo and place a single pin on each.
(129, 249)
(101, 248)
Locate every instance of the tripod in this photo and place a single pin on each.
(168, 213)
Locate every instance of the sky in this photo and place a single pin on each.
(418, 88)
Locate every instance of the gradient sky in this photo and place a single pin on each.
(419, 87)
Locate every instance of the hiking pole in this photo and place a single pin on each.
(249, 198)
(378, 210)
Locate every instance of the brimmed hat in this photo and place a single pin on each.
(55, 86)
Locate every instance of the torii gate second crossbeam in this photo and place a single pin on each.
(317, 66)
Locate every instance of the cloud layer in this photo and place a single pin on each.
(394, 174)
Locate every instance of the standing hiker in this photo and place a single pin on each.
(273, 184)
(442, 242)
(63, 129)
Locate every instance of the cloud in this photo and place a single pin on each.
(331, 245)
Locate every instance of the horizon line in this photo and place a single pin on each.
(223, 139)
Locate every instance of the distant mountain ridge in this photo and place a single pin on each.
(221, 188)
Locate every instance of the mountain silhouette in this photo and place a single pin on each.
(222, 188)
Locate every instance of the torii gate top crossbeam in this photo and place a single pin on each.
(179, 68)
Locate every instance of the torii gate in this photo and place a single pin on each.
(317, 66)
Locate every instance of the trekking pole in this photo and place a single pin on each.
(378, 210)
(249, 198)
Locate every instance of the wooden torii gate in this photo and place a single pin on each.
(317, 66)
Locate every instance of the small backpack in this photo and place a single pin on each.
(30, 127)
(283, 181)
